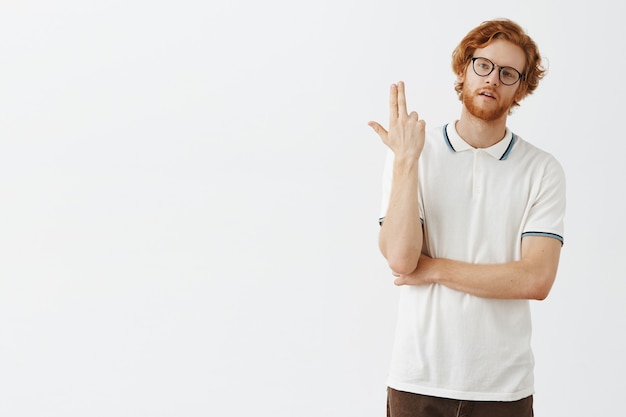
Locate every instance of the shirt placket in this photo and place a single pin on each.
(477, 173)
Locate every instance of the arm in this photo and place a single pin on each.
(529, 278)
(400, 239)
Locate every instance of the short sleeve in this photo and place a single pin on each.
(547, 213)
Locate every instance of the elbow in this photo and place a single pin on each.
(541, 288)
(401, 258)
(539, 295)
(402, 264)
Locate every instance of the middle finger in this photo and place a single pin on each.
(401, 100)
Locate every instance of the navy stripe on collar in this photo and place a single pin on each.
(502, 158)
(508, 148)
(446, 138)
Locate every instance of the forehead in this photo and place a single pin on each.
(503, 53)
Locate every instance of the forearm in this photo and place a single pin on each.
(400, 238)
(513, 280)
(529, 278)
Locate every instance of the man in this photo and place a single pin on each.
(472, 228)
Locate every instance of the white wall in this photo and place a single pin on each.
(189, 193)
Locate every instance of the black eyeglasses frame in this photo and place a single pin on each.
(500, 68)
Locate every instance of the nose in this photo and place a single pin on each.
(494, 77)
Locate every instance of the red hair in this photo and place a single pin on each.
(508, 30)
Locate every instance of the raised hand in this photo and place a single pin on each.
(406, 133)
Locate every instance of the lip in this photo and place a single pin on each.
(489, 94)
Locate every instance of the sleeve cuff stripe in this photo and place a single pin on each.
(553, 235)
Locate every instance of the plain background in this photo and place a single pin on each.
(189, 195)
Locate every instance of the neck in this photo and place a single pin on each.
(480, 133)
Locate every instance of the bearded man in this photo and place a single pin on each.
(472, 228)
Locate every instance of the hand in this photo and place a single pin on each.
(424, 274)
(406, 133)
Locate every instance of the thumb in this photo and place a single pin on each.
(379, 129)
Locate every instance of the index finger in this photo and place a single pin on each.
(393, 102)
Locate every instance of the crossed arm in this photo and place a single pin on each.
(529, 278)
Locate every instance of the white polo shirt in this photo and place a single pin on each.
(476, 205)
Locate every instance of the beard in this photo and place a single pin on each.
(485, 113)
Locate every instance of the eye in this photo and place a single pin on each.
(483, 64)
(509, 73)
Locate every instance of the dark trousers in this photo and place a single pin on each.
(406, 404)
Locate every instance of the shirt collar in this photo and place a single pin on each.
(499, 150)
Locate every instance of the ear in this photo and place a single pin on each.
(460, 77)
(521, 92)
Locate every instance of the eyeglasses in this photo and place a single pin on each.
(508, 75)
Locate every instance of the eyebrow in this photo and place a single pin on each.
(501, 66)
